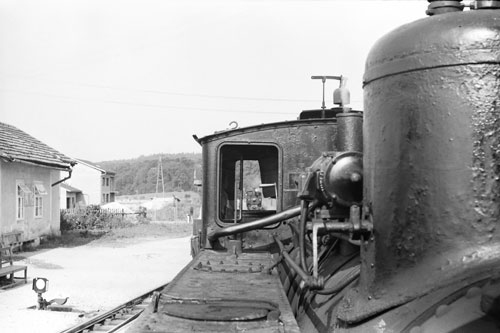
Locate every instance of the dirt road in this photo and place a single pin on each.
(96, 277)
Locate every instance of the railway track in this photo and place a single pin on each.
(116, 318)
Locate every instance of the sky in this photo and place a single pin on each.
(116, 79)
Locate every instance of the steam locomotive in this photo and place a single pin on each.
(382, 221)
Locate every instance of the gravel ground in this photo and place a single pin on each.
(96, 277)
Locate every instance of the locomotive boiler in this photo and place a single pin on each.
(386, 220)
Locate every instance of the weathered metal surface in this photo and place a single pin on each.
(432, 166)
(453, 308)
(350, 131)
(335, 177)
(216, 287)
(299, 143)
(219, 309)
(316, 312)
(443, 40)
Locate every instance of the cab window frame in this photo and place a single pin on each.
(250, 149)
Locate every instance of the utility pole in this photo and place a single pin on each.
(175, 206)
(159, 175)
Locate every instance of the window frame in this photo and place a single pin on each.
(38, 206)
(21, 199)
(38, 193)
(20, 203)
(279, 171)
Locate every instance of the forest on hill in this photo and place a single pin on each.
(140, 175)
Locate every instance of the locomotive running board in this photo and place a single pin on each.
(221, 292)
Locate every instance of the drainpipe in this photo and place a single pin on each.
(66, 178)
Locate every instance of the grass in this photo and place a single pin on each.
(67, 239)
(152, 230)
(133, 232)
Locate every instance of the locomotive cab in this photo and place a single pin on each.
(248, 182)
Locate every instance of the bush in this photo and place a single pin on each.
(142, 216)
(90, 218)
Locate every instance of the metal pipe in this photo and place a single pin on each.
(335, 229)
(316, 226)
(302, 228)
(350, 277)
(66, 178)
(303, 275)
(260, 223)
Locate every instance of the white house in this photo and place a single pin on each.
(30, 174)
(96, 185)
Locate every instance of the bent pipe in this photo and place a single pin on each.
(306, 208)
(260, 223)
(307, 280)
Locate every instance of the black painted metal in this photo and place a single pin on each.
(299, 143)
(431, 190)
(257, 224)
(432, 159)
(350, 131)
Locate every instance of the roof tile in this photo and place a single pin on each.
(16, 145)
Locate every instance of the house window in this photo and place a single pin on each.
(107, 181)
(103, 181)
(22, 191)
(39, 190)
(38, 206)
(20, 203)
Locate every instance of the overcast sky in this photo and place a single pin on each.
(105, 80)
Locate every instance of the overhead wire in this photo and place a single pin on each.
(158, 106)
(171, 93)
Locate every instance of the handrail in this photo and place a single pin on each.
(260, 223)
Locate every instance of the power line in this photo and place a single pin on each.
(173, 93)
(158, 106)
(162, 92)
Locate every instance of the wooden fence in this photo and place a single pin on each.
(82, 211)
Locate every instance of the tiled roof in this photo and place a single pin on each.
(16, 145)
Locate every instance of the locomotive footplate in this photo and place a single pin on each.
(221, 292)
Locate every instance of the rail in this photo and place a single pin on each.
(111, 321)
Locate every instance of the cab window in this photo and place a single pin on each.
(248, 182)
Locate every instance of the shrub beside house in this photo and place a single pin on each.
(30, 174)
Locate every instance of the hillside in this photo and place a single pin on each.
(139, 175)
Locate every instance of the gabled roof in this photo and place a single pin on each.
(69, 188)
(94, 166)
(18, 146)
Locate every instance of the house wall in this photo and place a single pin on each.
(80, 199)
(88, 180)
(62, 197)
(107, 188)
(31, 226)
